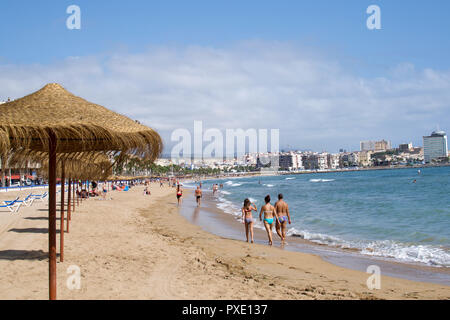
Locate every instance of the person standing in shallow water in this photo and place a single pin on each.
(247, 217)
(282, 209)
(270, 214)
(198, 196)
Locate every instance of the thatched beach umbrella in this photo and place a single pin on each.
(82, 165)
(55, 121)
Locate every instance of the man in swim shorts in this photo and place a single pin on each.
(198, 196)
(282, 209)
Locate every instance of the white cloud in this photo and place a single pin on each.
(314, 101)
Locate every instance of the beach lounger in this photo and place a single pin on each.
(13, 206)
(40, 196)
(28, 201)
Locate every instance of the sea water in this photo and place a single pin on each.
(378, 212)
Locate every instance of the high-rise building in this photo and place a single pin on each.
(435, 146)
(382, 145)
(370, 145)
(367, 145)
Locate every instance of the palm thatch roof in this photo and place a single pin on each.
(78, 165)
(83, 166)
(77, 124)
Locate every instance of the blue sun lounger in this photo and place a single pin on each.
(39, 196)
(13, 206)
(28, 201)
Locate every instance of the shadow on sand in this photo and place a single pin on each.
(23, 255)
(31, 230)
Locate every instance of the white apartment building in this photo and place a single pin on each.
(333, 161)
(435, 146)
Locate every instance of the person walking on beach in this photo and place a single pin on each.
(247, 217)
(198, 196)
(179, 194)
(270, 214)
(284, 217)
(104, 191)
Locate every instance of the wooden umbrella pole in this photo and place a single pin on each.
(69, 198)
(72, 198)
(61, 229)
(75, 194)
(52, 216)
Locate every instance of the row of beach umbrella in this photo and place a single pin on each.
(71, 138)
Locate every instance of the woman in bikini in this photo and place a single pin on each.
(269, 215)
(247, 217)
(179, 194)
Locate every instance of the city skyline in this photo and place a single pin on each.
(288, 149)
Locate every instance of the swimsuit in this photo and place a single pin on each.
(248, 220)
(268, 220)
(283, 218)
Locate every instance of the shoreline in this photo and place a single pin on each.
(277, 173)
(226, 225)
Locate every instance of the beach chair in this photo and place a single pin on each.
(40, 197)
(28, 201)
(13, 206)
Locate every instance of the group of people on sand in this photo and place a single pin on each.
(270, 215)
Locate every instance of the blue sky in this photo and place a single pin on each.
(412, 30)
(410, 55)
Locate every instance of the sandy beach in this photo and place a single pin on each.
(139, 247)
